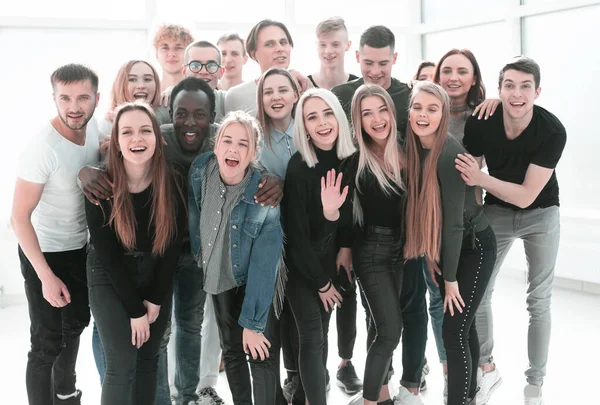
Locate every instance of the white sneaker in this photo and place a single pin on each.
(533, 395)
(208, 396)
(405, 397)
(487, 383)
(357, 399)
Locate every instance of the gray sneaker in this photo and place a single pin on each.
(533, 395)
(424, 373)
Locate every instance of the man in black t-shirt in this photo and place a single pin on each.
(376, 56)
(522, 146)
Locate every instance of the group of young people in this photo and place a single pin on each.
(279, 199)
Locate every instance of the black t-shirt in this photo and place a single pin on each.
(541, 144)
(350, 78)
(400, 93)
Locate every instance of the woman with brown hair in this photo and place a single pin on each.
(446, 224)
(136, 239)
(136, 80)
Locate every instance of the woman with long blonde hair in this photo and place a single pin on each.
(313, 197)
(136, 241)
(375, 175)
(445, 223)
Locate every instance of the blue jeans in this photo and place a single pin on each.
(98, 352)
(436, 312)
(188, 307)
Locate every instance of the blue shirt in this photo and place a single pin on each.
(275, 157)
(256, 242)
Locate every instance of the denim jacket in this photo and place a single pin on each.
(256, 239)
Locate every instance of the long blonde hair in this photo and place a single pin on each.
(163, 211)
(423, 204)
(388, 172)
(344, 145)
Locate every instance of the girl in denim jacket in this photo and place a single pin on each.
(238, 243)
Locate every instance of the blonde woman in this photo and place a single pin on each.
(313, 197)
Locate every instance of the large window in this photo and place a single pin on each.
(570, 65)
(75, 9)
(442, 11)
(231, 11)
(489, 43)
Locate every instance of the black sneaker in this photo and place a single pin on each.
(348, 380)
(290, 385)
(76, 400)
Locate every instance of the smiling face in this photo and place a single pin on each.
(518, 93)
(278, 97)
(457, 77)
(320, 123)
(273, 48)
(376, 65)
(233, 56)
(234, 150)
(75, 103)
(137, 140)
(375, 119)
(425, 116)
(170, 55)
(192, 117)
(141, 83)
(332, 46)
(203, 55)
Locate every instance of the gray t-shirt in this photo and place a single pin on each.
(218, 200)
(457, 124)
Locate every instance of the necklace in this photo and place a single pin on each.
(459, 108)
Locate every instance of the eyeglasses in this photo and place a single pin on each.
(211, 66)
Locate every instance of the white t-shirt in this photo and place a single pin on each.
(242, 97)
(59, 218)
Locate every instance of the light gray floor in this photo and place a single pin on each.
(571, 379)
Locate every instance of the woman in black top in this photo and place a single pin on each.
(447, 225)
(312, 200)
(375, 176)
(136, 238)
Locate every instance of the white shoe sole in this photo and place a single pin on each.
(347, 391)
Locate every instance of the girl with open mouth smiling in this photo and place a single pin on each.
(238, 243)
(136, 80)
(313, 198)
(446, 224)
(136, 241)
(375, 176)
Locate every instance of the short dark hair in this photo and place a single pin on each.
(423, 65)
(202, 44)
(476, 94)
(233, 36)
(72, 73)
(251, 44)
(378, 36)
(192, 84)
(522, 64)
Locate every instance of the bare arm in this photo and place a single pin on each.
(26, 197)
(521, 195)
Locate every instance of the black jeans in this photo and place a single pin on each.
(475, 267)
(228, 307)
(313, 327)
(378, 266)
(54, 331)
(130, 372)
(414, 320)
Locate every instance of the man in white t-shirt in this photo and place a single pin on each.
(48, 219)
